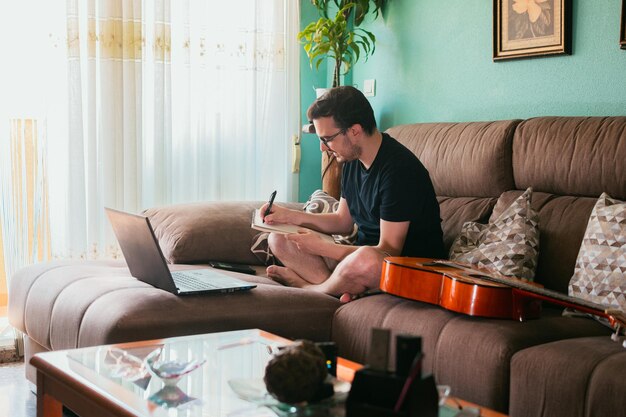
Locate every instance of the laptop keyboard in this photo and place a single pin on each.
(183, 279)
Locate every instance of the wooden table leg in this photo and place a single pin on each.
(47, 405)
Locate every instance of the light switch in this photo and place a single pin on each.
(369, 88)
(295, 153)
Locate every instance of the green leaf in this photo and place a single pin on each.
(339, 38)
(356, 50)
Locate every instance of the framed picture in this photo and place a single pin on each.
(622, 27)
(526, 28)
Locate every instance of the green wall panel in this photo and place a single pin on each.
(433, 63)
(311, 158)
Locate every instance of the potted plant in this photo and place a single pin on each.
(339, 38)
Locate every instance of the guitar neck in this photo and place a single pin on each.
(563, 300)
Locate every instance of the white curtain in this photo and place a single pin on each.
(32, 114)
(175, 101)
(155, 102)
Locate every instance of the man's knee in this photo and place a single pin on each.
(364, 263)
(277, 243)
(369, 257)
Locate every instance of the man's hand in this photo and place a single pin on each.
(277, 214)
(307, 242)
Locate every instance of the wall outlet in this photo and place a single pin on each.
(369, 88)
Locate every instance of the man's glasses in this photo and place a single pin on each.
(327, 139)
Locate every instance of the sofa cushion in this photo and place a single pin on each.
(207, 231)
(577, 377)
(471, 159)
(578, 156)
(599, 274)
(459, 350)
(473, 349)
(353, 323)
(68, 305)
(508, 245)
(25, 279)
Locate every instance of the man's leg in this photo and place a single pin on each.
(358, 272)
(300, 269)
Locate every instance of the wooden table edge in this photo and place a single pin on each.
(57, 388)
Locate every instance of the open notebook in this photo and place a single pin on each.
(257, 223)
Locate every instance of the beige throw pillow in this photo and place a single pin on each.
(600, 271)
(508, 245)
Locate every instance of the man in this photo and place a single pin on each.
(385, 190)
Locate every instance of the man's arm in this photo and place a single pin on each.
(308, 242)
(331, 223)
(392, 236)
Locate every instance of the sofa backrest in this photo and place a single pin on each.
(470, 159)
(568, 161)
(578, 156)
(469, 164)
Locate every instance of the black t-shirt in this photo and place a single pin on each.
(395, 188)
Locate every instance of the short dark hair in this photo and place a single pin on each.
(347, 106)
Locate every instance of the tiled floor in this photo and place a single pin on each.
(16, 398)
(6, 332)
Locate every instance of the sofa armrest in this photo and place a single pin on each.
(207, 231)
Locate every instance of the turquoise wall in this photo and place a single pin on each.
(311, 158)
(433, 63)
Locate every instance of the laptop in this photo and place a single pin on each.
(146, 262)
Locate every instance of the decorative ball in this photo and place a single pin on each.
(296, 374)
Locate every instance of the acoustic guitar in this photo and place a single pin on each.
(475, 291)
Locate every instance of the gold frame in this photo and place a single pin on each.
(555, 15)
(622, 30)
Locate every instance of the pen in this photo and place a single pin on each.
(415, 373)
(268, 210)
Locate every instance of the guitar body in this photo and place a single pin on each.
(449, 287)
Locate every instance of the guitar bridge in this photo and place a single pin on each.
(616, 335)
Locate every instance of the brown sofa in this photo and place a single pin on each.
(553, 366)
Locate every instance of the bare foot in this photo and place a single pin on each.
(286, 276)
(346, 298)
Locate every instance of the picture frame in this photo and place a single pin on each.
(524, 29)
(622, 30)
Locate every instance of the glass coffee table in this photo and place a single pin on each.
(217, 374)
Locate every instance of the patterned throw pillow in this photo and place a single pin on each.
(600, 271)
(261, 249)
(509, 245)
(319, 202)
